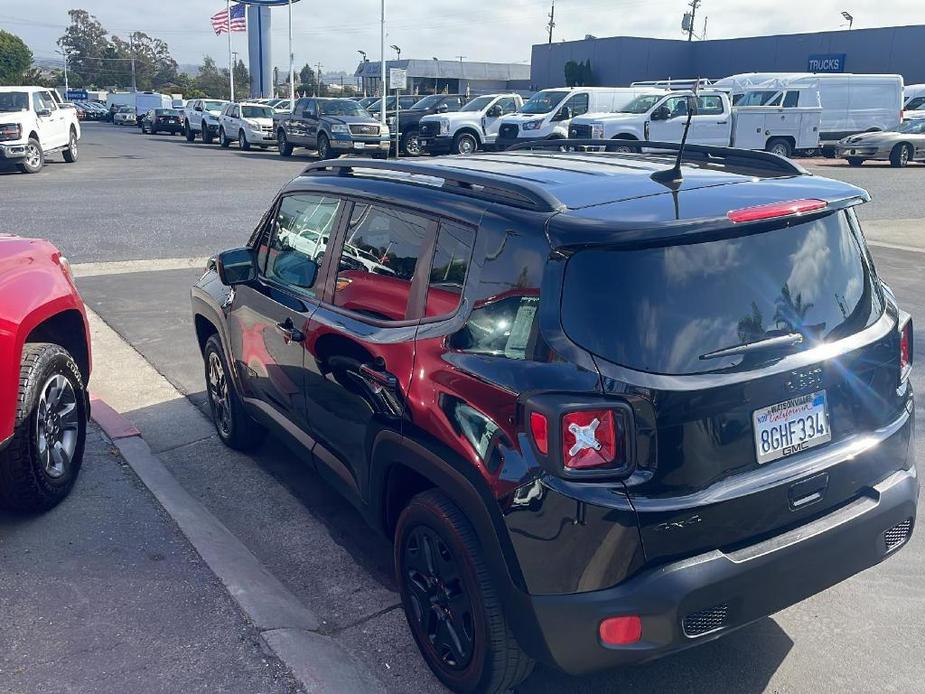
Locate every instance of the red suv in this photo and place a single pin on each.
(604, 414)
(44, 369)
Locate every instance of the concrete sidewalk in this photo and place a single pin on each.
(103, 594)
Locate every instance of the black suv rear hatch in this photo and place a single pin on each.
(818, 374)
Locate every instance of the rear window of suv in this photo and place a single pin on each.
(660, 309)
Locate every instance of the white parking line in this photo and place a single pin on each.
(123, 267)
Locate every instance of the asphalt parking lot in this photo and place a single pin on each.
(136, 197)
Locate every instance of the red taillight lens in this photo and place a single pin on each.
(590, 439)
(620, 631)
(905, 351)
(776, 209)
(539, 427)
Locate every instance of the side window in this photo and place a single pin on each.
(50, 102)
(448, 271)
(709, 106)
(381, 251)
(792, 100)
(677, 106)
(508, 105)
(454, 103)
(299, 236)
(578, 104)
(311, 109)
(300, 106)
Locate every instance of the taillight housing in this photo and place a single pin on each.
(582, 439)
(775, 210)
(906, 352)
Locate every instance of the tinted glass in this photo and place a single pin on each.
(915, 126)
(660, 309)
(478, 104)
(300, 235)
(12, 102)
(341, 107)
(543, 102)
(762, 98)
(257, 111)
(792, 99)
(641, 104)
(709, 105)
(376, 267)
(578, 104)
(407, 101)
(449, 268)
(508, 104)
(213, 105)
(915, 103)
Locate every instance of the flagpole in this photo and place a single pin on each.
(230, 59)
(291, 63)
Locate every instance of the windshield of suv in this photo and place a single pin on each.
(213, 105)
(913, 127)
(11, 102)
(762, 98)
(641, 104)
(256, 112)
(341, 107)
(428, 101)
(543, 102)
(660, 309)
(478, 104)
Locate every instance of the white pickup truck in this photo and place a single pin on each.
(33, 125)
(661, 118)
(201, 116)
(473, 127)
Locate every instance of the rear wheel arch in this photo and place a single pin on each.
(67, 330)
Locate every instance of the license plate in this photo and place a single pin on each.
(792, 426)
(359, 145)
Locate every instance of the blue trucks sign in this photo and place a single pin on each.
(76, 95)
(826, 62)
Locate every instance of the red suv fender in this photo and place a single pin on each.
(38, 299)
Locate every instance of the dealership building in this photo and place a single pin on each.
(450, 76)
(620, 60)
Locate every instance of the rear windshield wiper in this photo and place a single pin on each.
(770, 343)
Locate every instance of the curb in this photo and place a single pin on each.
(287, 628)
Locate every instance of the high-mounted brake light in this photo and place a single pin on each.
(775, 209)
(905, 351)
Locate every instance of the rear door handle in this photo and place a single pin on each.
(289, 332)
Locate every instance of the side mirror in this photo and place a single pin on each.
(565, 113)
(43, 112)
(236, 266)
(494, 111)
(197, 108)
(661, 113)
(443, 108)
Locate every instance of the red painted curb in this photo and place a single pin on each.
(114, 424)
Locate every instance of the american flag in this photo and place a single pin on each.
(221, 23)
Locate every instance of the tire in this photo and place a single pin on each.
(410, 145)
(623, 148)
(282, 143)
(324, 148)
(779, 146)
(206, 135)
(465, 143)
(72, 152)
(433, 541)
(235, 428)
(223, 140)
(188, 133)
(51, 408)
(242, 141)
(34, 159)
(900, 156)
(855, 161)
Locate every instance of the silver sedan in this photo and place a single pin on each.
(903, 144)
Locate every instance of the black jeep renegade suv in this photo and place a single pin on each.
(603, 417)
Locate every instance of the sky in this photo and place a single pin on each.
(331, 32)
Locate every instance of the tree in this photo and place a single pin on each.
(87, 44)
(15, 59)
(572, 73)
(212, 81)
(307, 81)
(242, 81)
(586, 74)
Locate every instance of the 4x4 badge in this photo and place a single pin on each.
(585, 437)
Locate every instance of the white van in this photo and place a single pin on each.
(851, 103)
(548, 113)
(914, 101)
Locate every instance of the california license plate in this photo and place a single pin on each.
(792, 426)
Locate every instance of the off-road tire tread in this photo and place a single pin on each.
(506, 665)
(21, 489)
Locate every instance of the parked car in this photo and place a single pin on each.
(405, 101)
(44, 372)
(32, 126)
(662, 117)
(548, 113)
(900, 146)
(248, 124)
(331, 127)
(561, 484)
(283, 106)
(125, 115)
(473, 127)
(201, 118)
(162, 120)
(407, 122)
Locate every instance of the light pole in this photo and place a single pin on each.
(397, 50)
(382, 62)
(234, 62)
(849, 18)
(291, 64)
(363, 73)
(63, 52)
(437, 78)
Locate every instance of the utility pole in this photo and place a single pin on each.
(234, 64)
(291, 64)
(382, 113)
(552, 20)
(318, 81)
(690, 29)
(131, 49)
(65, 54)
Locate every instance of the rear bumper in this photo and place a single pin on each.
(16, 151)
(701, 598)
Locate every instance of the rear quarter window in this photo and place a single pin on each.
(659, 309)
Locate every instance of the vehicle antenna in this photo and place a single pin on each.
(672, 177)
